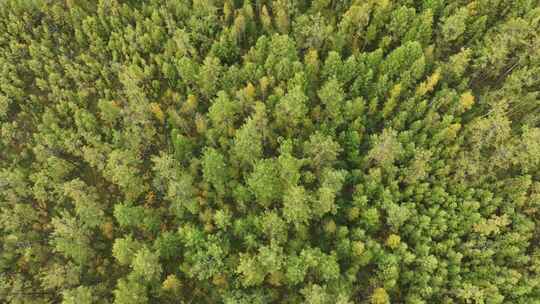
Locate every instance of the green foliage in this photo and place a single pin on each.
(248, 142)
(79, 295)
(296, 205)
(291, 110)
(265, 183)
(215, 170)
(70, 239)
(146, 264)
(124, 250)
(386, 148)
(244, 151)
(128, 291)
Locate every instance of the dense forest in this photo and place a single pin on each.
(259, 151)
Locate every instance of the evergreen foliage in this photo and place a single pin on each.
(269, 151)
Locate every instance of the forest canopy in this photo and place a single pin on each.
(270, 151)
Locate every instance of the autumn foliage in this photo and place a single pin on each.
(258, 151)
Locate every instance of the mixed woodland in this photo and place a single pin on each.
(259, 151)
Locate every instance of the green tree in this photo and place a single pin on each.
(146, 264)
(80, 294)
(215, 170)
(124, 249)
(265, 182)
(128, 291)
